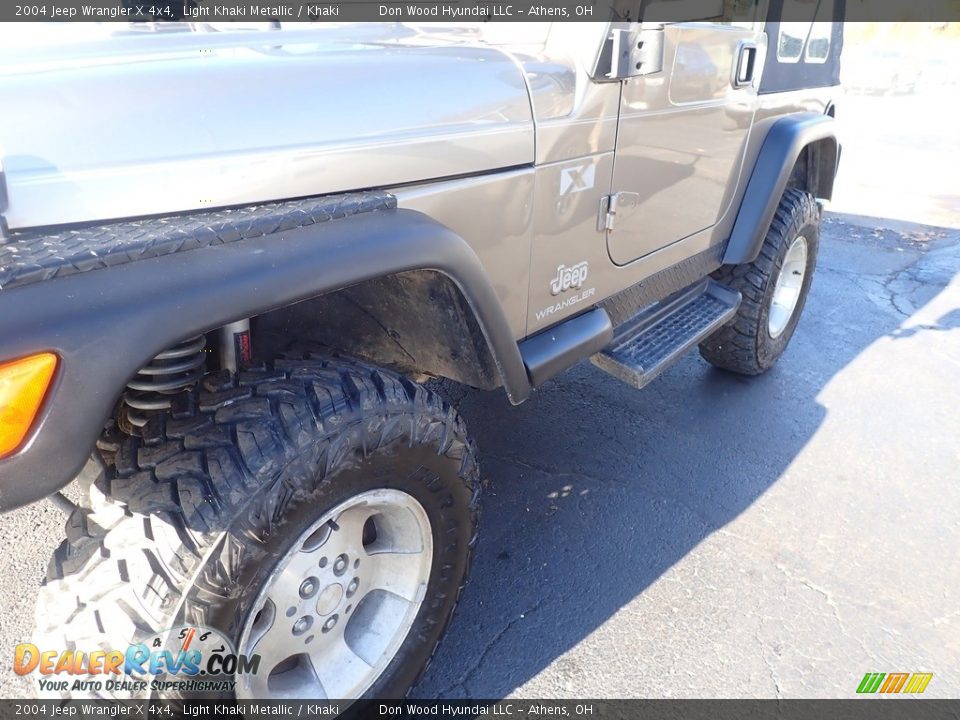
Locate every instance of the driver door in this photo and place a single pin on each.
(682, 134)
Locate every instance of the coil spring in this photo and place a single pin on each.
(155, 386)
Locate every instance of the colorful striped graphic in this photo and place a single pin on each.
(885, 683)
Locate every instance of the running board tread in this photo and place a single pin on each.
(654, 338)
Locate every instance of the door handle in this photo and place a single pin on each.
(743, 71)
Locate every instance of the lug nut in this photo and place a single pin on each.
(308, 587)
(340, 565)
(330, 623)
(352, 587)
(302, 625)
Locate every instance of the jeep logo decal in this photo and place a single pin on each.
(569, 277)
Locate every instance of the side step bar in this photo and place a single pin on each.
(650, 341)
(551, 352)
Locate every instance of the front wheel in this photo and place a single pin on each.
(774, 288)
(319, 516)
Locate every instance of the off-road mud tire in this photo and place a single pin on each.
(180, 527)
(745, 345)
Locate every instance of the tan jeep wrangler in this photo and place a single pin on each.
(230, 257)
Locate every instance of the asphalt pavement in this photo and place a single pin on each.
(718, 536)
(713, 535)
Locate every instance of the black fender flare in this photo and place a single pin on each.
(785, 140)
(106, 324)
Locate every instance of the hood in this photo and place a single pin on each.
(124, 124)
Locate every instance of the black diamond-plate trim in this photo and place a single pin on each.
(624, 304)
(32, 256)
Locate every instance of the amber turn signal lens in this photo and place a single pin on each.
(23, 384)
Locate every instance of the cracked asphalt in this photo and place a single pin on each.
(712, 535)
(721, 536)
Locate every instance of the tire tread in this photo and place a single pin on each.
(156, 513)
(736, 346)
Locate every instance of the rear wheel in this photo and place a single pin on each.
(774, 288)
(318, 514)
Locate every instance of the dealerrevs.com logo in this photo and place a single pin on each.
(193, 659)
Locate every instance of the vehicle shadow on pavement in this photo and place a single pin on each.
(594, 490)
